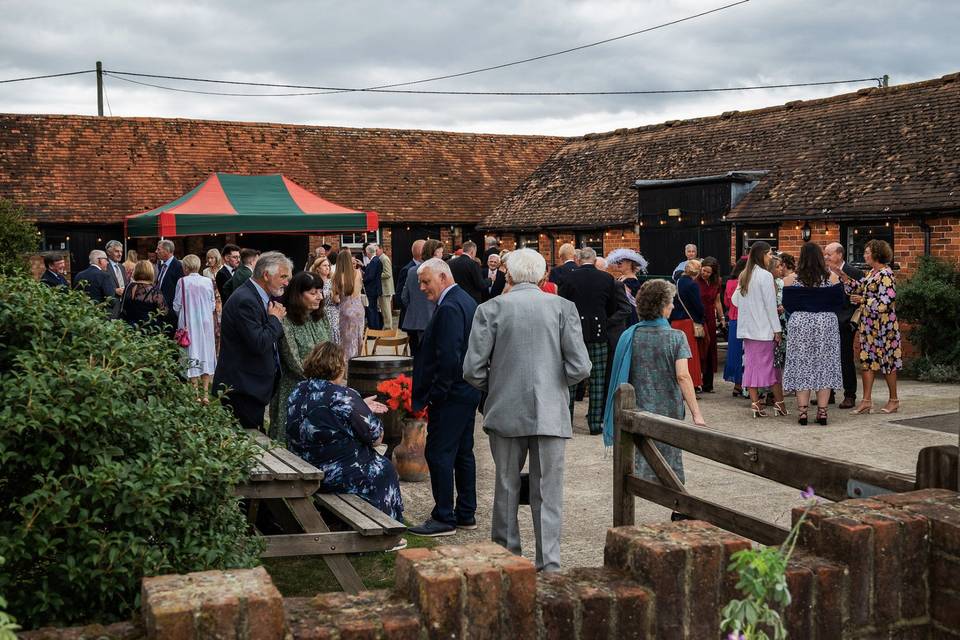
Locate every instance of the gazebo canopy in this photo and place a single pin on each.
(230, 203)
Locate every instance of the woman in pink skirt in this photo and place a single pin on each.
(758, 327)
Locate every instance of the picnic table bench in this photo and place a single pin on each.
(287, 486)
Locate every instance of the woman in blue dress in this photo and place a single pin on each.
(330, 426)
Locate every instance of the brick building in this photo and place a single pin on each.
(877, 163)
(78, 176)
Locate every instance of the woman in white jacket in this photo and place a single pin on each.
(758, 327)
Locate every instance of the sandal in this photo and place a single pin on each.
(802, 414)
(893, 409)
(866, 406)
(780, 408)
(822, 416)
(758, 410)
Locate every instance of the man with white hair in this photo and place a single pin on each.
(690, 251)
(94, 281)
(249, 364)
(438, 384)
(525, 411)
(595, 294)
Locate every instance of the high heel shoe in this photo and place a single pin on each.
(802, 414)
(780, 408)
(757, 408)
(822, 416)
(896, 406)
(865, 407)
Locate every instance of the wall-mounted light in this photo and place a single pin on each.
(806, 233)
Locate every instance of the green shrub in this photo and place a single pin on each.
(18, 239)
(110, 470)
(930, 302)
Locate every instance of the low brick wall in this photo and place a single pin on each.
(887, 567)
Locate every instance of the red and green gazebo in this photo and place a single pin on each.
(231, 203)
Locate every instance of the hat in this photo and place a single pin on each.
(619, 255)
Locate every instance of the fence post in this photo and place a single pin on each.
(623, 455)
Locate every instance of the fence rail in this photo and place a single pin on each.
(635, 430)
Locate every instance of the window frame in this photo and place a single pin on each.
(851, 232)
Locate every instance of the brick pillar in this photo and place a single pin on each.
(685, 565)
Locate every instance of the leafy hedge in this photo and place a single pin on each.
(930, 302)
(18, 239)
(110, 469)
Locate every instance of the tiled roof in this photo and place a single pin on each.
(99, 169)
(875, 151)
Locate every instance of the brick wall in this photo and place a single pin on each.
(886, 567)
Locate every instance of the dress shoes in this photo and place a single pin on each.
(849, 402)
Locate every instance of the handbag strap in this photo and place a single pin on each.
(680, 298)
(183, 296)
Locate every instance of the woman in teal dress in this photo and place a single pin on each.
(652, 357)
(305, 327)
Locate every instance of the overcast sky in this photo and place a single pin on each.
(361, 43)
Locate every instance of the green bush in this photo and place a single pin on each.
(18, 239)
(110, 470)
(930, 302)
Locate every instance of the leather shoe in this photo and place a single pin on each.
(433, 529)
(849, 402)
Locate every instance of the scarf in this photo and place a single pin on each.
(620, 373)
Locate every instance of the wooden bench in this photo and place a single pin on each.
(286, 486)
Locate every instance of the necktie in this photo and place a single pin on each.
(163, 268)
(117, 274)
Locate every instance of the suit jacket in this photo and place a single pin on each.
(95, 283)
(558, 273)
(419, 310)
(595, 294)
(498, 285)
(689, 292)
(438, 368)
(526, 396)
(402, 279)
(52, 279)
(241, 275)
(168, 286)
(124, 278)
(846, 312)
(386, 278)
(372, 284)
(466, 273)
(248, 343)
(223, 277)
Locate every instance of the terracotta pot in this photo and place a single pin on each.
(408, 456)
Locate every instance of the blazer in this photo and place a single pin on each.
(689, 292)
(526, 396)
(241, 275)
(498, 285)
(223, 277)
(438, 367)
(757, 317)
(52, 279)
(595, 294)
(466, 273)
(418, 310)
(168, 286)
(402, 279)
(95, 283)
(386, 278)
(124, 278)
(372, 284)
(560, 272)
(845, 314)
(248, 346)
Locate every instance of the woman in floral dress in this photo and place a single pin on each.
(347, 286)
(322, 269)
(330, 426)
(880, 348)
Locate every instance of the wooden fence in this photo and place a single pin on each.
(833, 479)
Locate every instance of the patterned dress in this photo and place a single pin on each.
(331, 310)
(653, 374)
(332, 428)
(294, 347)
(780, 351)
(813, 353)
(880, 347)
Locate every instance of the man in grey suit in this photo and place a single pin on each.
(526, 407)
(417, 309)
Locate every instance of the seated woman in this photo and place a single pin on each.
(330, 426)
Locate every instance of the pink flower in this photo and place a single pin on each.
(808, 493)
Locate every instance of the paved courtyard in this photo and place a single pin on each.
(877, 440)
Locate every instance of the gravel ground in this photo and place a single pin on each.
(588, 504)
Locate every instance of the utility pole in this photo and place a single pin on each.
(99, 88)
(886, 81)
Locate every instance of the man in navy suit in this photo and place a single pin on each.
(568, 254)
(54, 264)
(169, 272)
(373, 286)
(93, 280)
(451, 402)
(249, 365)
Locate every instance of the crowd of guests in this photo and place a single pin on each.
(281, 343)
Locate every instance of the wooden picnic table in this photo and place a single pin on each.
(287, 486)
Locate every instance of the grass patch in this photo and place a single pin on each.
(306, 576)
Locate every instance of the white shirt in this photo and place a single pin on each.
(757, 317)
(443, 294)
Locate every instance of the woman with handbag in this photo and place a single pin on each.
(687, 316)
(142, 305)
(709, 282)
(194, 302)
(759, 329)
(347, 285)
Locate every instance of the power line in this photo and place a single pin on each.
(52, 75)
(468, 93)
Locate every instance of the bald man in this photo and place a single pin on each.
(568, 262)
(835, 257)
(415, 250)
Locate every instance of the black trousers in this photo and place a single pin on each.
(449, 454)
(847, 367)
(249, 410)
(414, 337)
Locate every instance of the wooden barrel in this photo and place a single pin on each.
(364, 373)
